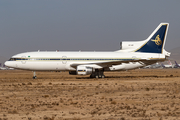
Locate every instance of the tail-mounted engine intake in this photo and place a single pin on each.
(130, 45)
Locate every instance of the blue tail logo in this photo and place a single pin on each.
(157, 40)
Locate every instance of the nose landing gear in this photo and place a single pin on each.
(34, 75)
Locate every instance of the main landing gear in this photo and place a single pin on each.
(34, 75)
(98, 74)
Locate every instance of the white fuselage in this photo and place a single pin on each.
(64, 61)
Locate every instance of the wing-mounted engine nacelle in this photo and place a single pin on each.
(83, 70)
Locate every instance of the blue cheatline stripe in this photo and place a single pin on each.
(81, 70)
(69, 59)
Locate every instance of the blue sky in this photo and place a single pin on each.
(69, 25)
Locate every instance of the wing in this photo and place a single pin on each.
(99, 65)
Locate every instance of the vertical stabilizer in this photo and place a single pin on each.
(156, 41)
(177, 64)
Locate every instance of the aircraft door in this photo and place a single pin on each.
(64, 59)
(23, 59)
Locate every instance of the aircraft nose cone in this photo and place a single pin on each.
(6, 63)
(10, 64)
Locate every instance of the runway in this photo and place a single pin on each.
(136, 94)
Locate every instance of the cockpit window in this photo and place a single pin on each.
(12, 59)
(15, 59)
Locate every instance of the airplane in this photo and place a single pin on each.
(156, 65)
(132, 55)
(169, 65)
(2, 67)
(163, 65)
(176, 65)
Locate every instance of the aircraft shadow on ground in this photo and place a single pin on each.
(152, 76)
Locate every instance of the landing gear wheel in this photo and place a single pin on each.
(92, 76)
(103, 76)
(97, 76)
(97, 73)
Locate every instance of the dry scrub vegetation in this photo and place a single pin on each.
(138, 94)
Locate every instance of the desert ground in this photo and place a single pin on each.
(142, 94)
